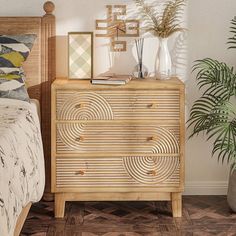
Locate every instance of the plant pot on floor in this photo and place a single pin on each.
(231, 197)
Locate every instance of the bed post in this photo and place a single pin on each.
(48, 75)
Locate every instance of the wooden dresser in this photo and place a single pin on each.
(118, 142)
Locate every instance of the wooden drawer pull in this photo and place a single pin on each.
(153, 105)
(79, 139)
(153, 138)
(77, 106)
(152, 173)
(80, 172)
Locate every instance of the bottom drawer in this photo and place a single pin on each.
(132, 172)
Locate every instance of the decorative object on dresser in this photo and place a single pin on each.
(80, 55)
(112, 79)
(116, 26)
(118, 143)
(140, 72)
(40, 72)
(162, 25)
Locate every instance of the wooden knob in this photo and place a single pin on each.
(77, 106)
(153, 105)
(151, 138)
(48, 7)
(80, 172)
(78, 139)
(152, 173)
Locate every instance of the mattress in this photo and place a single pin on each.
(22, 176)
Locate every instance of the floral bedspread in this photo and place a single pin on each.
(22, 176)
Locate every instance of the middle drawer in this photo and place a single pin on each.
(103, 137)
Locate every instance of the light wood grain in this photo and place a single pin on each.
(48, 68)
(176, 200)
(149, 84)
(121, 104)
(59, 205)
(21, 219)
(62, 198)
(118, 142)
(128, 172)
(122, 138)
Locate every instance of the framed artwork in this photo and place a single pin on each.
(80, 55)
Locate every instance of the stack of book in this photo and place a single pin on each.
(112, 79)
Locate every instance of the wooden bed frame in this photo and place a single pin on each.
(40, 73)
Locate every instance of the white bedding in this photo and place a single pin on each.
(22, 176)
(36, 106)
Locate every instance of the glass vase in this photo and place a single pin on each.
(164, 60)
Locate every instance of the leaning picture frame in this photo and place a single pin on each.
(80, 55)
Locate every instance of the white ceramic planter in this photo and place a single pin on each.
(231, 196)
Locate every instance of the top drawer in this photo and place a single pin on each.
(117, 104)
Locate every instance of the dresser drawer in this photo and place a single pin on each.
(132, 172)
(116, 137)
(116, 105)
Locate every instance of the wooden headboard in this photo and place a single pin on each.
(39, 68)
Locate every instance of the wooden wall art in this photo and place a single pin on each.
(116, 26)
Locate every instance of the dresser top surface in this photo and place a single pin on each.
(150, 83)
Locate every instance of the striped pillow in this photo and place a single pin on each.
(14, 50)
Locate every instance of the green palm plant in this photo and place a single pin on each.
(232, 40)
(214, 113)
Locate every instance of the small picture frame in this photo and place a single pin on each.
(80, 55)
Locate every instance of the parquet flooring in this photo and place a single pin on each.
(202, 216)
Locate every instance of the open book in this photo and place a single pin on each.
(112, 79)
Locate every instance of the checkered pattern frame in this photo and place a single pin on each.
(81, 55)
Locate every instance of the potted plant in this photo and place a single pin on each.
(162, 24)
(214, 113)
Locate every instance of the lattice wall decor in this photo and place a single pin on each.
(80, 55)
(116, 25)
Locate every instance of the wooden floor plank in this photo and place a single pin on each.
(202, 216)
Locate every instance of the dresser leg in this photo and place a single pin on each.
(176, 199)
(59, 205)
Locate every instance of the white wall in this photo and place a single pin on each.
(73, 15)
(208, 31)
(81, 16)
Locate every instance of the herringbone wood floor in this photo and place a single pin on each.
(202, 216)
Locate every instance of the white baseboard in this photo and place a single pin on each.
(206, 188)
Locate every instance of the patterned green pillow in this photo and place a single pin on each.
(14, 50)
